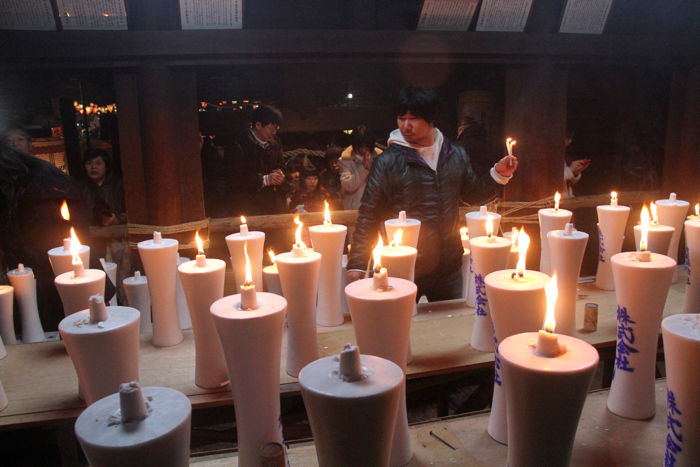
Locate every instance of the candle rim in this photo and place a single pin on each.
(561, 363)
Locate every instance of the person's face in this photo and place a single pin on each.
(294, 176)
(334, 165)
(310, 182)
(415, 130)
(19, 141)
(96, 169)
(266, 132)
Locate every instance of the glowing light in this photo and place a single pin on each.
(65, 213)
(248, 269)
(297, 235)
(464, 233)
(199, 242)
(489, 226)
(557, 198)
(654, 214)
(523, 244)
(644, 223)
(397, 238)
(75, 246)
(377, 254)
(551, 293)
(326, 214)
(271, 253)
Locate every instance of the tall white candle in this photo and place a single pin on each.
(137, 296)
(550, 219)
(203, 284)
(612, 220)
(410, 227)
(256, 245)
(7, 321)
(329, 239)
(692, 263)
(476, 223)
(183, 310)
(159, 257)
(24, 283)
(672, 212)
(658, 236)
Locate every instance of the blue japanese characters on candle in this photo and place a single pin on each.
(625, 340)
(601, 246)
(481, 300)
(687, 264)
(496, 363)
(674, 438)
(471, 269)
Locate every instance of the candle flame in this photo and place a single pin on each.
(397, 239)
(613, 196)
(75, 246)
(523, 244)
(551, 292)
(271, 253)
(654, 214)
(644, 222)
(326, 214)
(243, 221)
(65, 213)
(464, 233)
(557, 198)
(377, 253)
(512, 143)
(489, 225)
(297, 235)
(697, 209)
(199, 242)
(248, 269)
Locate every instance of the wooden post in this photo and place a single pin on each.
(682, 154)
(159, 137)
(535, 115)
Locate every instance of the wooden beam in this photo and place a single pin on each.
(83, 49)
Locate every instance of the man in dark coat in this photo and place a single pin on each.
(259, 181)
(424, 174)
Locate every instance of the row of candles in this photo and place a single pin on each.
(306, 271)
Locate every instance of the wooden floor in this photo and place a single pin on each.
(41, 385)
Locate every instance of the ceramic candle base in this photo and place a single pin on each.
(411, 230)
(489, 255)
(566, 255)
(517, 305)
(659, 238)
(476, 223)
(612, 221)
(329, 240)
(692, 262)
(382, 322)
(299, 279)
(62, 260)
(183, 310)
(545, 397)
(252, 343)
(7, 322)
(136, 289)
(681, 334)
(160, 262)
(672, 213)
(641, 289)
(550, 219)
(271, 278)
(203, 285)
(256, 244)
(162, 438)
(352, 421)
(104, 354)
(75, 292)
(24, 283)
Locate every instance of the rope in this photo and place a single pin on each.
(145, 229)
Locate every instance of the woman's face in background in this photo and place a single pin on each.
(310, 182)
(96, 169)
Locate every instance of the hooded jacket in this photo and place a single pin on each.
(400, 179)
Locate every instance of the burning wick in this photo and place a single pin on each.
(397, 238)
(557, 198)
(523, 244)
(613, 199)
(244, 226)
(78, 268)
(201, 259)
(381, 277)
(489, 229)
(249, 299)
(547, 341)
(299, 245)
(326, 214)
(643, 255)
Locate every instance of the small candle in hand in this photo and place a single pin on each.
(381, 277)
(244, 226)
(249, 299)
(547, 341)
(78, 268)
(201, 259)
(613, 199)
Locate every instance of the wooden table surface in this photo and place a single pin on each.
(41, 384)
(602, 439)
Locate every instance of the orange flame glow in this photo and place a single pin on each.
(654, 214)
(523, 244)
(248, 269)
(65, 213)
(75, 246)
(271, 253)
(397, 239)
(326, 214)
(551, 293)
(489, 225)
(644, 223)
(297, 235)
(199, 242)
(557, 198)
(377, 253)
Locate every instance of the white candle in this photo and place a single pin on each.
(695, 216)
(476, 223)
(256, 246)
(672, 212)
(137, 296)
(398, 258)
(7, 322)
(203, 284)
(271, 276)
(329, 240)
(612, 221)
(24, 283)
(550, 219)
(692, 264)
(410, 228)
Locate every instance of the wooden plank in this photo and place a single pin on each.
(42, 387)
(602, 438)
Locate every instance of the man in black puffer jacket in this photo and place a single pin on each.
(424, 174)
